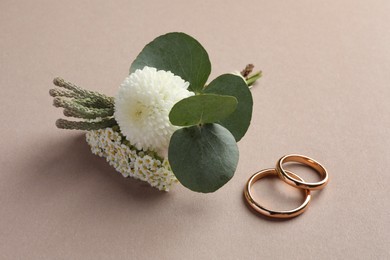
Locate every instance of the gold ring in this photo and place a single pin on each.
(298, 182)
(272, 213)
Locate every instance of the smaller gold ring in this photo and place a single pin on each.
(297, 182)
(272, 213)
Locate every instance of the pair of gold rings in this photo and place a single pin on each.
(291, 179)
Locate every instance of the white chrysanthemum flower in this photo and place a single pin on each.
(142, 107)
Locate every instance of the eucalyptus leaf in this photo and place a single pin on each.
(228, 84)
(201, 109)
(179, 53)
(203, 158)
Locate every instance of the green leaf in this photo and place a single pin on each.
(201, 109)
(228, 84)
(203, 158)
(179, 53)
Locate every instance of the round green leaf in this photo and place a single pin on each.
(228, 84)
(179, 53)
(203, 158)
(201, 109)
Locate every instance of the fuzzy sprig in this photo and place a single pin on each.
(96, 109)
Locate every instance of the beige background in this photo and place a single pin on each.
(325, 93)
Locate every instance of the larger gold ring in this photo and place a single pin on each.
(297, 182)
(272, 213)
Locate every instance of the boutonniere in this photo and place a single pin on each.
(166, 123)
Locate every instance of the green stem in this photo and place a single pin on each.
(252, 79)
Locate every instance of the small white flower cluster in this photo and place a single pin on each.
(129, 161)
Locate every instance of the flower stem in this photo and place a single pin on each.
(252, 78)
